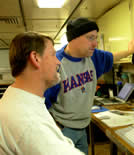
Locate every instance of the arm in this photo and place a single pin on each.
(46, 139)
(103, 61)
(122, 54)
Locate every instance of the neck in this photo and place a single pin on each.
(71, 50)
(33, 85)
(67, 50)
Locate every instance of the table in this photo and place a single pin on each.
(116, 141)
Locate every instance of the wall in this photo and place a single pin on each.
(4, 60)
(5, 75)
(115, 27)
(116, 30)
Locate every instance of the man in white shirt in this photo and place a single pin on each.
(25, 127)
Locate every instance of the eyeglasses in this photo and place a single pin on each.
(92, 38)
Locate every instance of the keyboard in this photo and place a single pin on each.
(106, 101)
(111, 100)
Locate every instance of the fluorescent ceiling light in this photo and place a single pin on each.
(63, 39)
(118, 38)
(50, 3)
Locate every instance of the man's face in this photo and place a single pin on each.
(86, 44)
(49, 66)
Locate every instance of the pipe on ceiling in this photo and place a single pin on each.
(22, 14)
(68, 18)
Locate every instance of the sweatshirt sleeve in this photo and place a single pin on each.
(51, 95)
(103, 61)
(43, 137)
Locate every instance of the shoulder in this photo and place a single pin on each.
(60, 53)
(101, 55)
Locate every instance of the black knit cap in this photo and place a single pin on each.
(80, 26)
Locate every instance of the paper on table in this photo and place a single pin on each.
(127, 134)
(114, 119)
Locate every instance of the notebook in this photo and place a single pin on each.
(122, 96)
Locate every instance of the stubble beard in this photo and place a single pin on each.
(54, 82)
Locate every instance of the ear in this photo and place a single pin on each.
(35, 59)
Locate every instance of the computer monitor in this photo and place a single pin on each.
(126, 91)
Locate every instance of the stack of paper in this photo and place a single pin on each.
(116, 118)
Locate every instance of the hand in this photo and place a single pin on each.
(131, 47)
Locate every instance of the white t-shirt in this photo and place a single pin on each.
(27, 128)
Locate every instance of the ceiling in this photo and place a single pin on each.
(23, 15)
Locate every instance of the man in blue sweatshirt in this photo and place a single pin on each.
(71, 100)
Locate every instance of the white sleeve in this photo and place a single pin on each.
(46, 139)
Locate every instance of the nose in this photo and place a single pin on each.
(95, 43)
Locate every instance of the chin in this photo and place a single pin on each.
(90, 54)
(56, 81)
(59, 79)
(52, 82)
